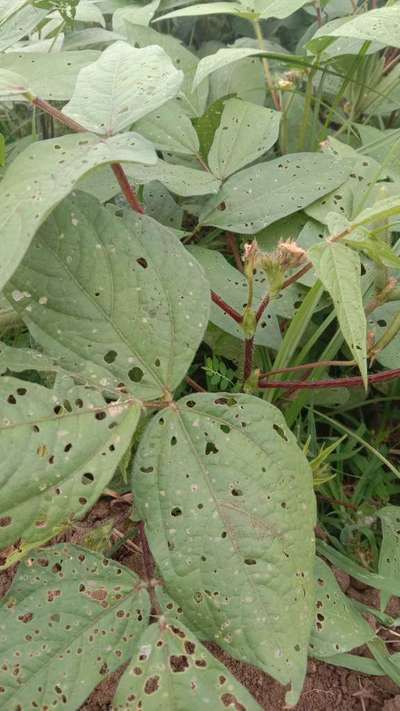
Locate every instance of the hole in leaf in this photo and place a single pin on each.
(136, 375)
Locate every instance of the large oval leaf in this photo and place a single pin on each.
(260, 195)
(43, 174)
(122, 86)
(111, 298)
(246, 132)
(227, 498)
(60, 449)
(71, 618)
(171, 670)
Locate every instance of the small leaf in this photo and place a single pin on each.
(2, 151)
(245, 133)
(67, 607)
(123, 85)
(339, 269)
(232, 531)
(125, 317)
(215, 8)
(339, 626)
(389, 558)
(172, 670)
(266, 192)
(70, 441)
(136, 15)
(43, 174)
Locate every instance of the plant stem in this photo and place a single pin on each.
(149, 569)
(248, 358)
(218, 300)
(232, 244)
(267, 72)
(318, 11)
(118, 171)
(289, 281)
(354, 382)
(310, 366)
(194, 385)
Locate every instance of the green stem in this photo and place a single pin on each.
(267, 72)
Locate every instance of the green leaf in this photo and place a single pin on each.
(19, 24)
(193, 101)
(381, 210)
(221, 58)
(339, 269)
(172, 670)
(245, 133)
(17, 360)
(43, 174)
(215, 8)
(381, 25)
(123, 85)
(232, 286)
(379, 322)
(389, 558)
(62, 437)
(67, 607)
(374, 247)
(160, 205)
(245, 80)
(266, 192)
(279, 9)
(170, 129)
(92, 37)
(207, 125)
(339, 626)
(226, 496)
(125, 317)
(50, 76)
(137, 15)
(177, 178)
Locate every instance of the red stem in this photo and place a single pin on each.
(248, 357)
(353, 382)
(232, 244)
(149, 568)
(218, 300)
(119, 172)
(194, 385)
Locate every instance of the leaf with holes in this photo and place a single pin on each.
(43, 174)
(170, 129)
(68, 607)
(69, 440)
(389, 559)
(245, 132)
(339, 627)
(226, 495)
(193, 101)
(339, 269)
(123, 85)
(19, 24)
(266, 192)
(381, 322)
(172, 670)
(125, 318)
(232, 286)
(381, 25)
(50, 76)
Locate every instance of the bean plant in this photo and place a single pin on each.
(199, 272)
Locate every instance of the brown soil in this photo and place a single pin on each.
(327, 688)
